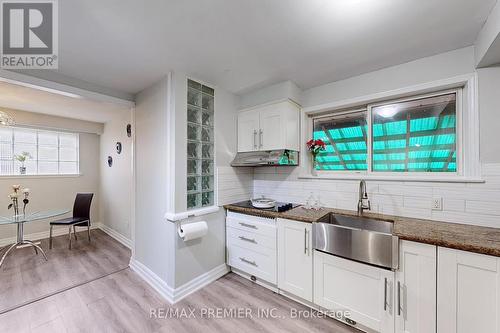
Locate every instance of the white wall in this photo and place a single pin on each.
(463, 203)
(278, 91)
(154, 237)
(200, 256)
(441, 66)
(116, 181)
(487, 43)
(56, 192)
(489, 113)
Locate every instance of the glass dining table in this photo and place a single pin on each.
(20, 220)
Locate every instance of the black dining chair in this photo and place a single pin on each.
(81, 217)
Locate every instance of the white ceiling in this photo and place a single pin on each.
(28, 99)
(126, 45)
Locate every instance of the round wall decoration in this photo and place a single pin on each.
(110, 161)
(119, 147)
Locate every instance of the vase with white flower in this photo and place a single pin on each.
(22, 158)
(315, 147)
(16, 195)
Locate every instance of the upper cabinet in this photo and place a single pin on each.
(269, 127)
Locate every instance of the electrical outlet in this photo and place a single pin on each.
(437, 204)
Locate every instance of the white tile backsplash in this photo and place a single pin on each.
(469, 203)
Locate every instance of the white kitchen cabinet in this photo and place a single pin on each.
(295, 259)
(468, 292)
(248, 131)
(365, 292)
(269, 127)
(416, 288)
(251, 245)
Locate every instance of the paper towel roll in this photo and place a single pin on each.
(193, 230)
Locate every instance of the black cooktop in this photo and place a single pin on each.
(279, 207)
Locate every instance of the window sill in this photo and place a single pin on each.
(174, 217)
(40, 176)
(396, 178)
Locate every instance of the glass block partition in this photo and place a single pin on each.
(200, 145)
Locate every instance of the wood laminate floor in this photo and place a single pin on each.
(25, 277)
(122, 302)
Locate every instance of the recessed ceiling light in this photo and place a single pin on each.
(387, 111)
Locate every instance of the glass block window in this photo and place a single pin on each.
(48, 152)
(200, 145)
(415, 135)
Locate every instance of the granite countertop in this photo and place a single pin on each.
(464, 237)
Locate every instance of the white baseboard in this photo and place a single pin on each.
(153, 280)
(200, 282)
(59, 231)
(116, 235)
(41, 235)
(175, 295)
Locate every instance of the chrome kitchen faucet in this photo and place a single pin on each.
(363, 202)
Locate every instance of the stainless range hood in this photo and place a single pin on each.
(282, 157)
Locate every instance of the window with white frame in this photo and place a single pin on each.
(46, 152)
(418, 134)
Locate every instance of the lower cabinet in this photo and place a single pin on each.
(416, 288)
(468, 292)
(364, 293)
(295, 258)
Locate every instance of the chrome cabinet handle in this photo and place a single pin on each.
(385, 294)
(399, 298)
(305, 241)
(250, 240)
(255, 139)
(261, 138)
(248, 225)
(253, 263)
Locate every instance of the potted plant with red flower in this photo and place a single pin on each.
(315, 147)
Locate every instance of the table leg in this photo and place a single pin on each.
(36, 247)
(7, 252)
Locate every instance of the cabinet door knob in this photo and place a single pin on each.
(255, 139)
(261, 138)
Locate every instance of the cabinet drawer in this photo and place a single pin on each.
(254, 224)
(254, 263)
(251, 240)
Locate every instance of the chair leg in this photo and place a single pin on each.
(70, 237)
(88, 231)
(50, 237)
(74, 232)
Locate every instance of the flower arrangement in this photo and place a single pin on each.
(15, 195)
(315, 147)
(22, 158)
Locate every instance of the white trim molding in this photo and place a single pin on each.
(116, 235)
(64, 231)
(467, 129)
(153, 280)
(175, 295)
(42, 234)
(174, 217)
(200, 282)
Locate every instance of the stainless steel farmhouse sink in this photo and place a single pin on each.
(358, 238)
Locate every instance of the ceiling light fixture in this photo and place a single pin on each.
(6, 120)
(387, 111)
